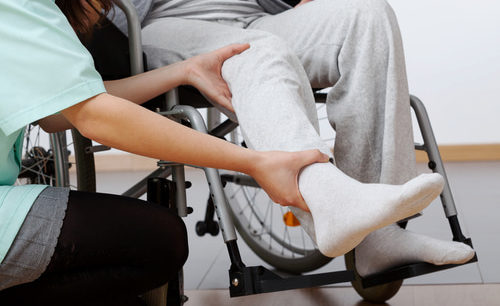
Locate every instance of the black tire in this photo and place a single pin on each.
(377, 294)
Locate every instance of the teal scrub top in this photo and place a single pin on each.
(43, 69)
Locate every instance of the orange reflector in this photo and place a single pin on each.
(290, 219)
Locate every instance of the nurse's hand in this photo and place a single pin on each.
(204, 73)
(277, 173)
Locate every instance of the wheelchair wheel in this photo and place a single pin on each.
(376, 294)
(45, 160)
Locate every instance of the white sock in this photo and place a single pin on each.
(345, 211)
(393, 246)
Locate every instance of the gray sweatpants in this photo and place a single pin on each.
(352, 45)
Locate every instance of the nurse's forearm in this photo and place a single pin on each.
(123, 125)
(145, 86)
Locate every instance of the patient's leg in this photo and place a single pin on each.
(355, 45)
(275, 109)
(394, 246)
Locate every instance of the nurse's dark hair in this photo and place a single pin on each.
(79, 12)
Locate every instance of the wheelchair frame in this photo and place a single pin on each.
(253, 280)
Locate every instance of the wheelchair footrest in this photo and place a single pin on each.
(254, 280)
(408, 271)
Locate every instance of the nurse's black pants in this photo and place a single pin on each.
(110, 250)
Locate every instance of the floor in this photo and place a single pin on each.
(476, 189)
(441, 295)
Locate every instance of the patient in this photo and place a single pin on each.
(354, 46)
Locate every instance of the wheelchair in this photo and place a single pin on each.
(264, 238)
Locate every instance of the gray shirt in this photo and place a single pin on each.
(206, 9)
(145, 7)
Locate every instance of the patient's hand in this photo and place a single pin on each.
(277, 173)
(204, 73)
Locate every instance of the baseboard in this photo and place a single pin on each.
(449, 153)
(464, 153)
(121, 162)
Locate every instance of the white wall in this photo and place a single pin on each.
(453, 63)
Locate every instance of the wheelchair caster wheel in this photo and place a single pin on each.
(201, 228)
(375, 294)
(213, 228)
(184, 299)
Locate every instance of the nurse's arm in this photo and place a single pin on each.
(138, 89)
(124, 125)
(202, 71)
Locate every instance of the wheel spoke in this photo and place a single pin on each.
(40, 173)
(303, 238)
(270, 236)
(269, 207)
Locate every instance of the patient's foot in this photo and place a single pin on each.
(393, 246)
(345, 211)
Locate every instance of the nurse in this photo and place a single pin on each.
(62, 247)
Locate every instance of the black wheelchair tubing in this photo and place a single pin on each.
(84, 163)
